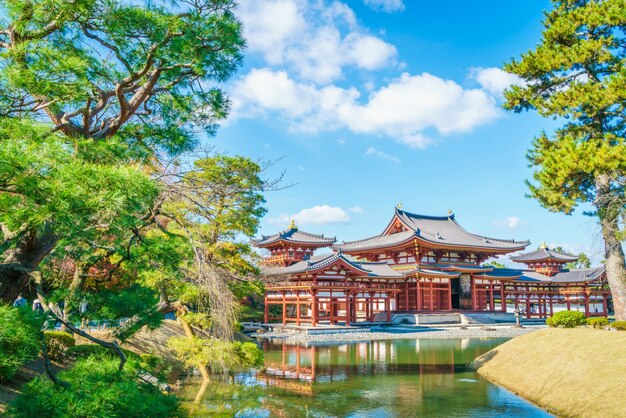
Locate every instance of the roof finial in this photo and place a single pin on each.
(399, 205)
(292, 225)
(450, 212)
(543, 246)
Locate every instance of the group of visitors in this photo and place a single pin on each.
(20, 302)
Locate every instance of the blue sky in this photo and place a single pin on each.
(369, 103)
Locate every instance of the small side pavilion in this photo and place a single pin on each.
(331, 289)
(547, 283)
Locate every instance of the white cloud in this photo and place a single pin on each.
(511, 222)
(356, 209)
(405, 109)
(315, 39)
(387, 6)
(317, 215)
(380, 154)
(495, 80)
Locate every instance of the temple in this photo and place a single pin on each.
(418, 264)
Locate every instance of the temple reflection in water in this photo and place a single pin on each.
(403, 377)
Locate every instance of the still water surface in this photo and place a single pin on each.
(389, 378)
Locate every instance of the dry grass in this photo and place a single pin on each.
(578, 372)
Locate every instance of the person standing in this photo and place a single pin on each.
(19, 301)
(37, 307)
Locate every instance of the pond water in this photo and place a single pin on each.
(388, 378)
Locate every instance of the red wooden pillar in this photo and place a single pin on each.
(284, 309)
(449, 294)
(314, 309)
(492, 306)
(527, 306)
(430, 293)
(586, 302)
(474, 299)
(298, 308)
(348, 308)
(516, 301)
(388, 308)
(266, 311)
(418, 297)
(406, 295)
(502, 296)
(367, 307)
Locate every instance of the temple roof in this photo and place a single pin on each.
(566, 276)
(441, 230)
(543, 254)
(319, 262)
(294, 235)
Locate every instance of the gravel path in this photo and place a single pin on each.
(422, 332)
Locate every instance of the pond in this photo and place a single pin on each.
(388, 378)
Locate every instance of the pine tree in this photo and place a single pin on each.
(577, 75)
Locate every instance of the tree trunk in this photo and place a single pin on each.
(31, 248)
(77, 283)
(608, 212)
(190, 334)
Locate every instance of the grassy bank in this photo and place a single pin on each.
(571, 372)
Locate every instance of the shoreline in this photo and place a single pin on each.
(423, 333)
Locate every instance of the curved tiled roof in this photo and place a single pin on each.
(296, 236)
(544, 254)
(379, 241)
(368, 269)
(447, 231)
(441, 230)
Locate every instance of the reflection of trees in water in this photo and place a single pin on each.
(380, 378)
(221, 397)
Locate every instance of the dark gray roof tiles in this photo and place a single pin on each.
(296, 236)
(379, 241)
(368, 269)
(443, 230)
(446, 230)
(543, 254)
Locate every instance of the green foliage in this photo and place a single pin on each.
(218, 356)
(57, 343)
(599, 322)
(583, 262)
(495, 264)
(96, 389)
(567, 319)
(619, 325)
(83, 351)
(19, 339)
(577, 72)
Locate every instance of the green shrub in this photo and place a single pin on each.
(567, 319)
(148, 362)
(219, 356)
(96, 389)
(550, 322)
(619, 325)
(19, 339)
(57, 342)
(83, 351)
(599, 322)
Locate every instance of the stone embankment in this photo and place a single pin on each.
(401, 333)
